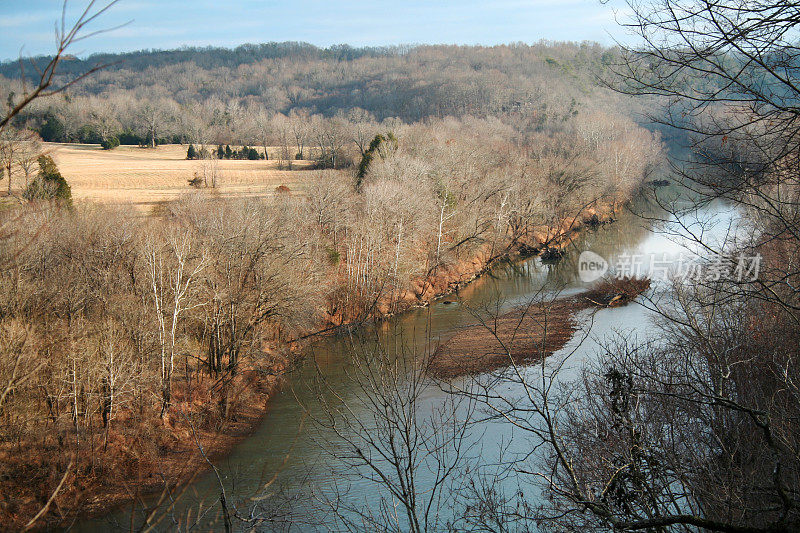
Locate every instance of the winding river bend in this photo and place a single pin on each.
(286, 448)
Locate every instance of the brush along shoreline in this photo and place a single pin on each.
(183, 449)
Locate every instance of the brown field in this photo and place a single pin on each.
(146, 177)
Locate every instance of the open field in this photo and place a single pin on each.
(145, 177)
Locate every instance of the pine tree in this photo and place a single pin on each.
(191, 153)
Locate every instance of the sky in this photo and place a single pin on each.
(27, 26)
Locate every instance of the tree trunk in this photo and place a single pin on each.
(166, 396)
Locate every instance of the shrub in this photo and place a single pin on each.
(129, 138)
(334, 256)
(110, 143)
(49, 184)
(89, 135)
(52, 130)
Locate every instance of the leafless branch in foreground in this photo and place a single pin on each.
(45, 82)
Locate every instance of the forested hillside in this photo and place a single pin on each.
(174, 94)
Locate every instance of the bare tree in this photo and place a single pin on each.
(45, 83)
(660, 436)
(18, 364)
(263, 129)
(281, 127)
(155, 115)
(387, 434)
(300, 122)
(363, 128)
(208, 173)
(330, 137)
(27, 155)
(19, 148)
(696, 431)
(10, 139)
(104, 116)
(172, 270)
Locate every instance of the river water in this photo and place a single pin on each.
(283, 464)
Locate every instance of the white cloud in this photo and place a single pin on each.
(22, 20)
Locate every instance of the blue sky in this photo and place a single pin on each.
(29, 24)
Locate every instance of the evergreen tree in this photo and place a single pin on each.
(49, 184)
(53, 130)
(220, 152)
(191, 153)
(228, 152)
(110, 143)
(369, 154)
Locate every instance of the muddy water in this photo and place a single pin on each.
(284, 458)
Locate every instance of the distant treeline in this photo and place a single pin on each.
(226, 152)
(209, 57)
(410, 83)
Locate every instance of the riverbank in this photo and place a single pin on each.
(135, 462)
(447, 279)
(139, 462)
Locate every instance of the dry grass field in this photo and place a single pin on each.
(146, 177)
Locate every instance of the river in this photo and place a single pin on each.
(287, 446)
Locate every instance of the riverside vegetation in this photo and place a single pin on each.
(129, 341)
(135, 349)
